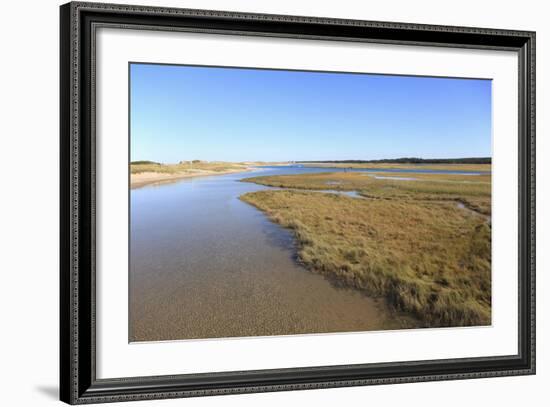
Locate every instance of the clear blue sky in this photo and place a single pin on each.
(232, 114)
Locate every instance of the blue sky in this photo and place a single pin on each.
(233, 114)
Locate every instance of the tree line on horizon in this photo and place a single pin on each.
(410, 160)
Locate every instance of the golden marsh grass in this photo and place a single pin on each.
(412, 244)
(474, 191)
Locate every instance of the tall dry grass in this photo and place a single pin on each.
(474, 191)
(430, 259)
(408, 241)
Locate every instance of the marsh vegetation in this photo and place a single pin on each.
(422, 241)
(473, 191)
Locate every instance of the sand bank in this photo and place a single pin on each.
(146, 178)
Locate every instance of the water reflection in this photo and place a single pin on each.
(204, 264)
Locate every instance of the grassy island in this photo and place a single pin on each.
(473, 191)
(423, 241)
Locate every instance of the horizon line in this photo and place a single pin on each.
(332, 161)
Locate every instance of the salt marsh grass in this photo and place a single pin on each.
(410, 242)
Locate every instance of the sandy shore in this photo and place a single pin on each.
(146, 178)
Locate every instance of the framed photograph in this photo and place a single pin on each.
(255, 203)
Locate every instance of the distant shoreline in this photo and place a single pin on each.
(456, 167)
(153, 173)
(410, 160)
(146, 178)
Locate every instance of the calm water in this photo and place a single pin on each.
(203, 264)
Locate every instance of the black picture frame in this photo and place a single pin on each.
(78, 382)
